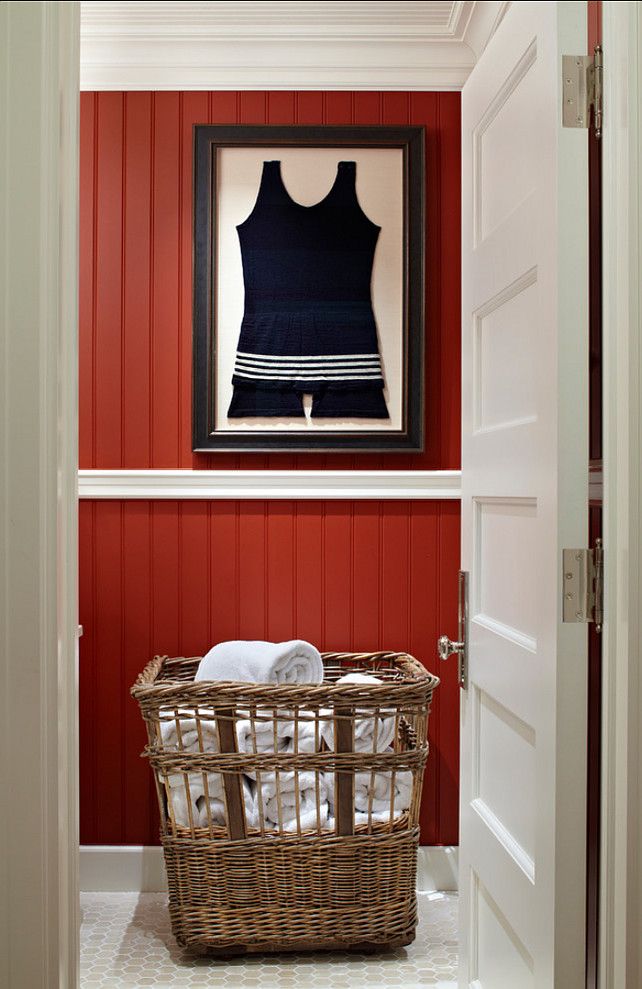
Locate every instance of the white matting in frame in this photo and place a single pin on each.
(308, 175)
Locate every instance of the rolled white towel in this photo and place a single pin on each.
(377, 787)
(217, 809)
(189, 731)
(295, 661)
(182, 796)
(300, 735)
(272, 792)
(258, 735)
(380, 792)
(364, 727)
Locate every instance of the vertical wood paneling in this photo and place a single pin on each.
(176, 576)
(366, 604)
(224, 598)
(165, 577)
(87, 592)
(165, 284)
(279, 569)
(281, 107)
(135, 314)
(338, 107)
(308, 571)
(194, 110)
(108, 276)
(152, 581)
(87, 252)
(109, 695)
(194, 570)
(137, 151)
(448, 699)
(309, 107)
(137, 782)
(395, 567)
(337, 575)
(423, 595)
(252, 582)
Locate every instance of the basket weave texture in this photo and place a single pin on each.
(240, 882)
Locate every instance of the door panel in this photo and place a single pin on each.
(524, 461)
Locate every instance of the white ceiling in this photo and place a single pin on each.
(389, 44)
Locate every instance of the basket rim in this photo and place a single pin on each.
(147, 686)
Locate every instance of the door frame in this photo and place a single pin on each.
(55, 892)
(620, 960)
(39, 901)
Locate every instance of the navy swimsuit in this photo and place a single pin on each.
(308, 325)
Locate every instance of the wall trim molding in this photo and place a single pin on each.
(330, 44)
(140, 869)
(379, 485)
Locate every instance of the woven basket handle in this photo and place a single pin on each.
(345, 781)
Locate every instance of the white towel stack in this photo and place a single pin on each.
(287, 800)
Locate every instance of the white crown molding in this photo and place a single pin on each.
(270, 484)
(141, 869)
(482, 23)
(282, 45)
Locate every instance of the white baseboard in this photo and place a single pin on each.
(140, 868)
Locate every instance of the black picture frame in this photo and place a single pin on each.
(208, 140)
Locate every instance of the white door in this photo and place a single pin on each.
(524, 461)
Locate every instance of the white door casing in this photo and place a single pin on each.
(524, 498)
(39, 86)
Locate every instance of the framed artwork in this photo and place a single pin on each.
(308, 288)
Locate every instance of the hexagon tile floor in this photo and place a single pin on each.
(126, 943)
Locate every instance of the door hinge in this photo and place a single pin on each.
(582, 89)
(583, 585)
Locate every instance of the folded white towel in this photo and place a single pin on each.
(364, 727)
(262, 662)
(189, 731)
(283, 792)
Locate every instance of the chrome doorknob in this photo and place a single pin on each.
(446, 647)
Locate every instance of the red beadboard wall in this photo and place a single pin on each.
(136, 269)
(172, 576)
(176, 576)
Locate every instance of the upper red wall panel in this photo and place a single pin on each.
(136, 304)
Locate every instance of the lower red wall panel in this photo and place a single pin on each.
(176, 576)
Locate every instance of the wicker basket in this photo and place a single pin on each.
(238, 887)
